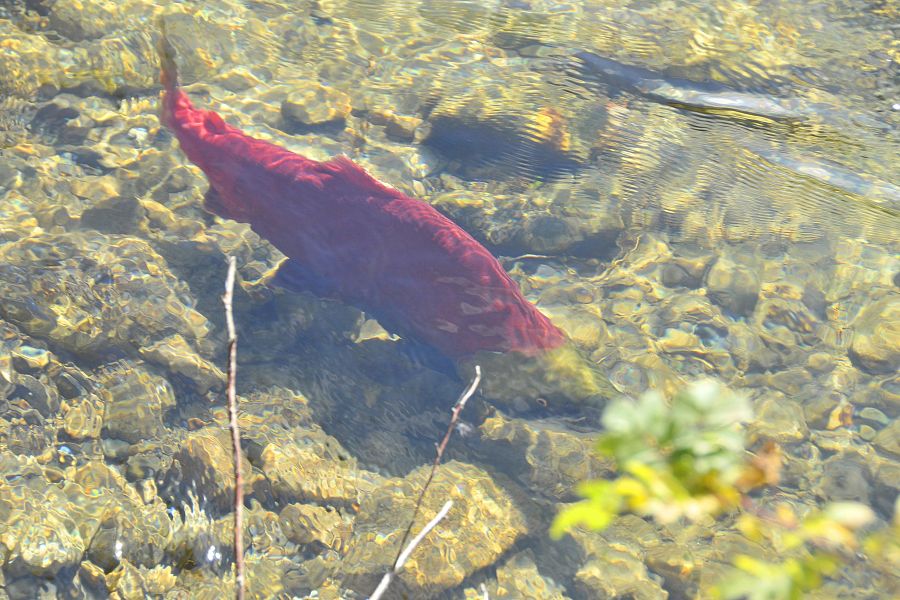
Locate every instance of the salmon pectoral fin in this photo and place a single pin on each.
(418, 353)
(293, 276)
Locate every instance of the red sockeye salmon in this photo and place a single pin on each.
(350, 237)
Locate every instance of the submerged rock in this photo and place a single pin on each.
(314, 106)
(38, 394)
(203, 465)
(118, 214)
(778, 418)
(888, 439)
(482, 525)
(545, 456)
(50, 520)
(135, 400)
(37, 541)
(29, 359)
(845, 477)
(177, 356)
(519, 578)
(98, 294)
(83, 419)
(544, 221)
(876, 338)
(307, 523)
(126, 582)
(733, 287)
(611, 564)
(310, 466)
(81, 20)
(479, 133)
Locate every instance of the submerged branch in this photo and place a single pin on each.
(404, 552)
(235, 433)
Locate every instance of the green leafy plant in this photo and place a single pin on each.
(686, 459)
(683, 459)
(813, 547)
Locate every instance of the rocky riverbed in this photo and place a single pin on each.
(662, 240)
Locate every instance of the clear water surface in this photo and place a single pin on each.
(687, 189)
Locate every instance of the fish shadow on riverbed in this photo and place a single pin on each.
(500, 148)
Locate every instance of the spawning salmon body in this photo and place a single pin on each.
(351, 237)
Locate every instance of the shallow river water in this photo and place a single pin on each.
(686, 189)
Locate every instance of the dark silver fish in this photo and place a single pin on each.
(683, 93)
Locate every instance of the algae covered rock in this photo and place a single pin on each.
(135, 400)
(482, 525)
(203, 464)
(876, 339)
(733, 287)
(609, 564)
(37, 538)
(307, 523)
(315, 105)
(545, 456)
(177, 356)
(98, 294)
(309, 465)
(519, 578)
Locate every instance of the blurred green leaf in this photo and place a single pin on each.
(687, 459)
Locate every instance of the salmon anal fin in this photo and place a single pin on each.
(212, 202)
(423, 355)
(293, 276)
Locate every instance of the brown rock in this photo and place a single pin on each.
(481, 526)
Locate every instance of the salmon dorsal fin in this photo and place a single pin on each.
(214, 123)
(354, 175)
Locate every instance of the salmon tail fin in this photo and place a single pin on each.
(169, 74)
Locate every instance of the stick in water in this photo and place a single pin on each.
(235, 434)
(403, 553)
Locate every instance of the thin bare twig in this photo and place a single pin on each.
(404, 555)
(235, 433)
(457, 408)
(404, 552)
